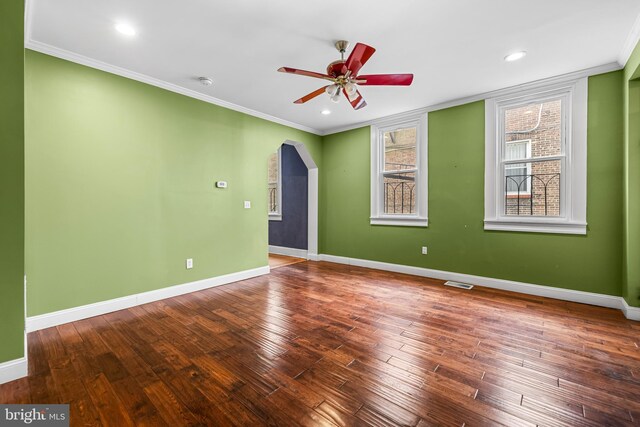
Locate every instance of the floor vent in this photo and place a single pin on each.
(458, 285)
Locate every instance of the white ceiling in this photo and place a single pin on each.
(455, 48)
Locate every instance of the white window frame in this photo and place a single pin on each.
(277, 215)
(378, 217)
(528, 165)
(573, 188)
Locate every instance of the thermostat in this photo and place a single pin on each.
(221, 184)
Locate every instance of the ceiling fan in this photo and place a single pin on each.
(344, 76)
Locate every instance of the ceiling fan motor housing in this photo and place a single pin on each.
(335, 68)
(342, 46)
(344, 76)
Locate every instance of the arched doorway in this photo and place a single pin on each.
(288, 201)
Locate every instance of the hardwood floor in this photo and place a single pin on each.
(276, 261)
(324, 344)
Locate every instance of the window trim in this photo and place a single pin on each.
(573, 218)
(378, 217)
(277, 215)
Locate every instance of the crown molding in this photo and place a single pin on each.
(103, 66)
(630, 44)
(48, 49)
(556, 80)
(632, 40)
(28, 20)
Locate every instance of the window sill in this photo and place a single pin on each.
(401, 221)
(275, 217)
(536, 226)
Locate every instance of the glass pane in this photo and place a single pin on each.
(517, 178)
(273, 168)
(400, 149)
(540, 123)
(533, 189)
(400, 193)
(273, 182)
(273, 198)
(517, 150)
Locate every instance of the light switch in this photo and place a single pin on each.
(247, 204)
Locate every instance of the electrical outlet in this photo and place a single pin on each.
(189, 263)
(247, 204)
(424, 250)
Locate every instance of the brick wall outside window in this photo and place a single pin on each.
(539, 123)
(273, 182)
(545, 135)
(400, 154)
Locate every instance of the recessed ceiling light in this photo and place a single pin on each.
(515, 56)
(125, 29)
(325, 112)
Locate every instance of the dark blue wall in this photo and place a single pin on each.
(291, 232)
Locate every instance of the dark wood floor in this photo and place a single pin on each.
(324, 344)
(277, 261)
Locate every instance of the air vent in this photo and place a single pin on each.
(458, 285)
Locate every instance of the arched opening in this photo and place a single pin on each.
(293, 202)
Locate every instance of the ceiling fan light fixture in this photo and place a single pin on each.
(344, 76)
(332, 90)
(350, 88)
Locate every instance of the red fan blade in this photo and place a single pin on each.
(310, 96)
(357, 101)
(385, 79)
(304, 73)
(359, 56)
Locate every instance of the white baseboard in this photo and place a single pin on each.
(281, 250)
(13, 370)
(632, 313)
(591, 298)
(35, 323)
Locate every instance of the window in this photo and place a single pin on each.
(275, 186)
(517, 175)
(535, 177)
(399, 172)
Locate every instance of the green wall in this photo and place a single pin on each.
(631, 271)
(120, 186)
(455, 237)
(119, 192)
(11, 180)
